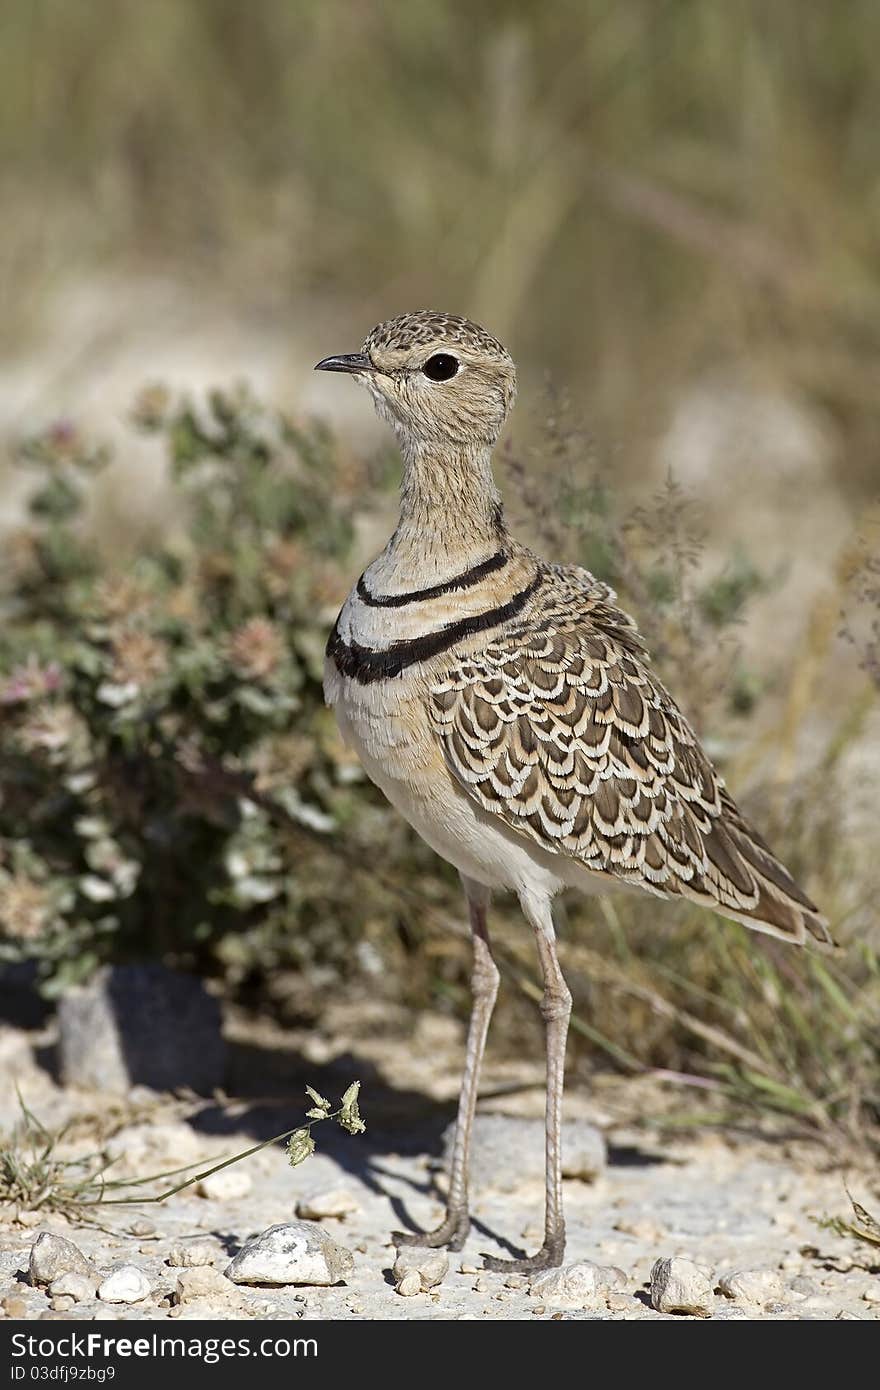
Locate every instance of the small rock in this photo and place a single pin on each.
(297, 1252)
(127, 1284)
(757, 1286)
(680, 1286)
(467, 1267)
(482, 1285)
(871, 1292)
(410, 1284)
(190, 1254)
(62, 1304)
(516, 1281)
(508, 1151)
(52, 1256)
(226, 1185)
(203, 1282)
(328, 1202)
(142, 1228)
(79, 1287)
(431, 1266)
(14, 1307)
(575, 1285)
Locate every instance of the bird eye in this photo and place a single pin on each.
(441, 367)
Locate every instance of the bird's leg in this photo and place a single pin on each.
(556, 1010)
(484, 987)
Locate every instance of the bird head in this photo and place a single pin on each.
(438, 379)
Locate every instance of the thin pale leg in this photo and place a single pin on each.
(556, 1011)
(484, 987)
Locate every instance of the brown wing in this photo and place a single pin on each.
(560, 728)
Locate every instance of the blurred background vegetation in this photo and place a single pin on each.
(669, 210)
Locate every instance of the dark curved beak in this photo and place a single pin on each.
(346, 362)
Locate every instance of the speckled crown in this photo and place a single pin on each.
(424, 326)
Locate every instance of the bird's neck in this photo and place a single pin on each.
(451, 516)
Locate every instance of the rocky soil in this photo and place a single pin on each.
(715, 1226)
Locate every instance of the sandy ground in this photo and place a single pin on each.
(733, 1201)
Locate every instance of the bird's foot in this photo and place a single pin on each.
(549, 1256)
(452, 1233)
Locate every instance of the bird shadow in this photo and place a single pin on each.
(401, 1121)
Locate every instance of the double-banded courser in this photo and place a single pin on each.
(505, 705)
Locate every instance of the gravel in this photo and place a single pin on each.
(740, 1211)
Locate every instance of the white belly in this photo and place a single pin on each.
(403, 758)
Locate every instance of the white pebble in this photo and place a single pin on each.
(128, 1284)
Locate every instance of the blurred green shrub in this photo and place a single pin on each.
(163, 728)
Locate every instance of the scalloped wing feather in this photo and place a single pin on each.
(560, 728)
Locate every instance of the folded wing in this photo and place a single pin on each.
(560, 728)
